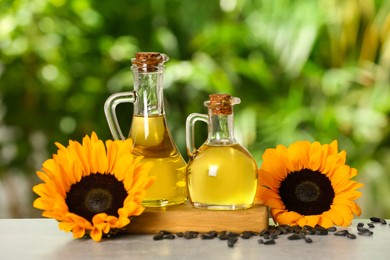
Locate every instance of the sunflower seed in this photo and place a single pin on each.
(213, 233)
(179, 234)
(269, 242)
(263, 232)
(231, 241)
(282, 229)
(164, 232)
(332, 229)
(247, 234)
(361, 229)
(365, 232)
(360, 224)
(224, 235)
(169, 236)
(206, 236)
(321, 232)
(307, 227)
(343, 232)
(294, 237)
(375, 219)
(158, 237)
(351, 236)
(378, 220)
(190, 234)
(370, 225)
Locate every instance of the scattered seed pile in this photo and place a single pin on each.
(270, 234)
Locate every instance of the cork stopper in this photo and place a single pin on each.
(222, 104)
(149, 61)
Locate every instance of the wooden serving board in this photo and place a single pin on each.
(184, 217)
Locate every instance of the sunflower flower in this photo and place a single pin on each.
(93, 188)
(308, 184)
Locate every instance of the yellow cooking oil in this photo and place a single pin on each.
(153, 141)
(222, 178)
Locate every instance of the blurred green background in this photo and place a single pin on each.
(304, 70)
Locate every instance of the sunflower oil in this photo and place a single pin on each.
(222, 177)
(152, 140)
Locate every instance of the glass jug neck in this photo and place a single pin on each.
(148, 86)
(221, 129)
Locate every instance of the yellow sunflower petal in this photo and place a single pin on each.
(325, 221)
(344, 212)
(287, 217)
(316, 159)
(302, 222)
(340, 178)
(350, 186)
(270, 198)
(96, 234)
(78, 232)
(334, 216)
(298, 155)
(66, 226)
(269, 180)
(312, 220)
(275, 161)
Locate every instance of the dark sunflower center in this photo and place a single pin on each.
(307, 192)
(96, 193)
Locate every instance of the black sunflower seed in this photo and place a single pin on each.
(247, 234)
(343, 232)
(308, 240)
(269, 242)
(224, 235)
(361, 229)
(263, 232)
(321, 232)
(294, 237)
(158, 237)
(179, 234)
(332, 229)
(282, 229)
(164, 232)
(375, 219)
(213, 233)
(206, 236)
(370, 225)
(231, 241)
(365, 232)
(190, 234)
(169, 236)
(360, 224)
(351, 236)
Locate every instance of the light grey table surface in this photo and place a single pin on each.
(41, 239)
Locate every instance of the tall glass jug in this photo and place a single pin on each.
(151, 136)
(221, 174)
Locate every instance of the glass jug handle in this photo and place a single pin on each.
(190, 135)
(110, 111)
